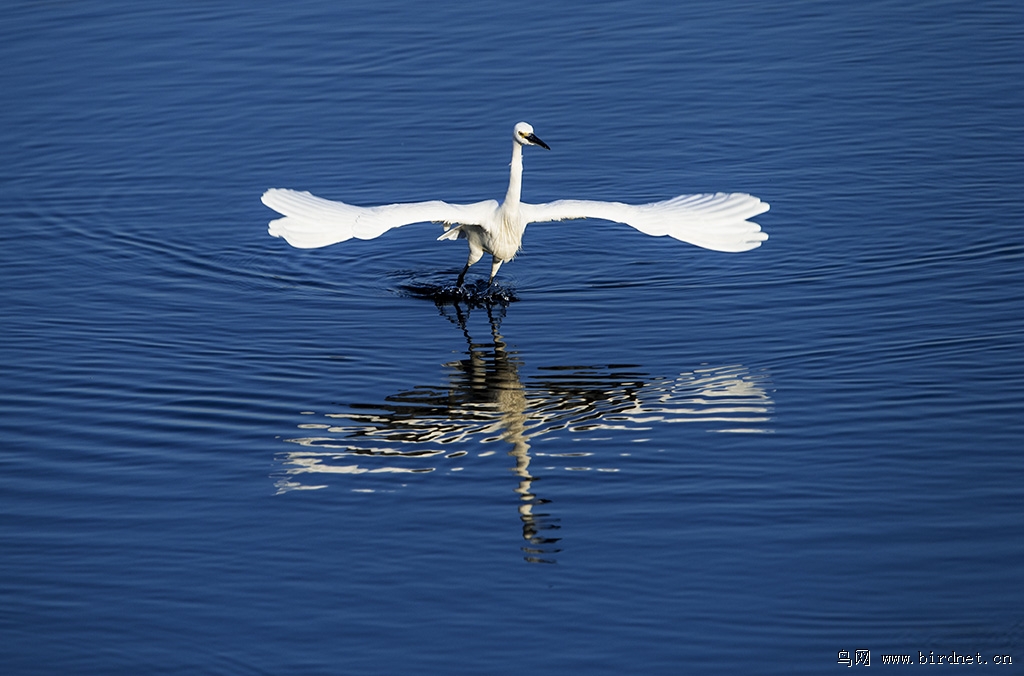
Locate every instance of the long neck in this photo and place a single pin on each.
(515, 178)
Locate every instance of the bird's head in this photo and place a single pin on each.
(524, 136)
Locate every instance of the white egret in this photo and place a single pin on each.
(716, 221)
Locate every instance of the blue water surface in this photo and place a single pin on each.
(222, 455)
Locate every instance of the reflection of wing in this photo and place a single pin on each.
(719, 221)
(310, 222)
(430, 422)
(723, 399)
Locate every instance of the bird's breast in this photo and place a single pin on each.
(506, 238)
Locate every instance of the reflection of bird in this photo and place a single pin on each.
(714, 221)
(548, 413)
(494, 379)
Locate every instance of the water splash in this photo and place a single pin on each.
(476, 294)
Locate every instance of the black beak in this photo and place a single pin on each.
(532, 138)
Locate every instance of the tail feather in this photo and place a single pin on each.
(453, 234)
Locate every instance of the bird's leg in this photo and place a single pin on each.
(495, 264)
(462, 275)
(475, 252)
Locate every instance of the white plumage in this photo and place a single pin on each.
(718, 221)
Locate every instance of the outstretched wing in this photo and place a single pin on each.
(718, 221)
(310, 222)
